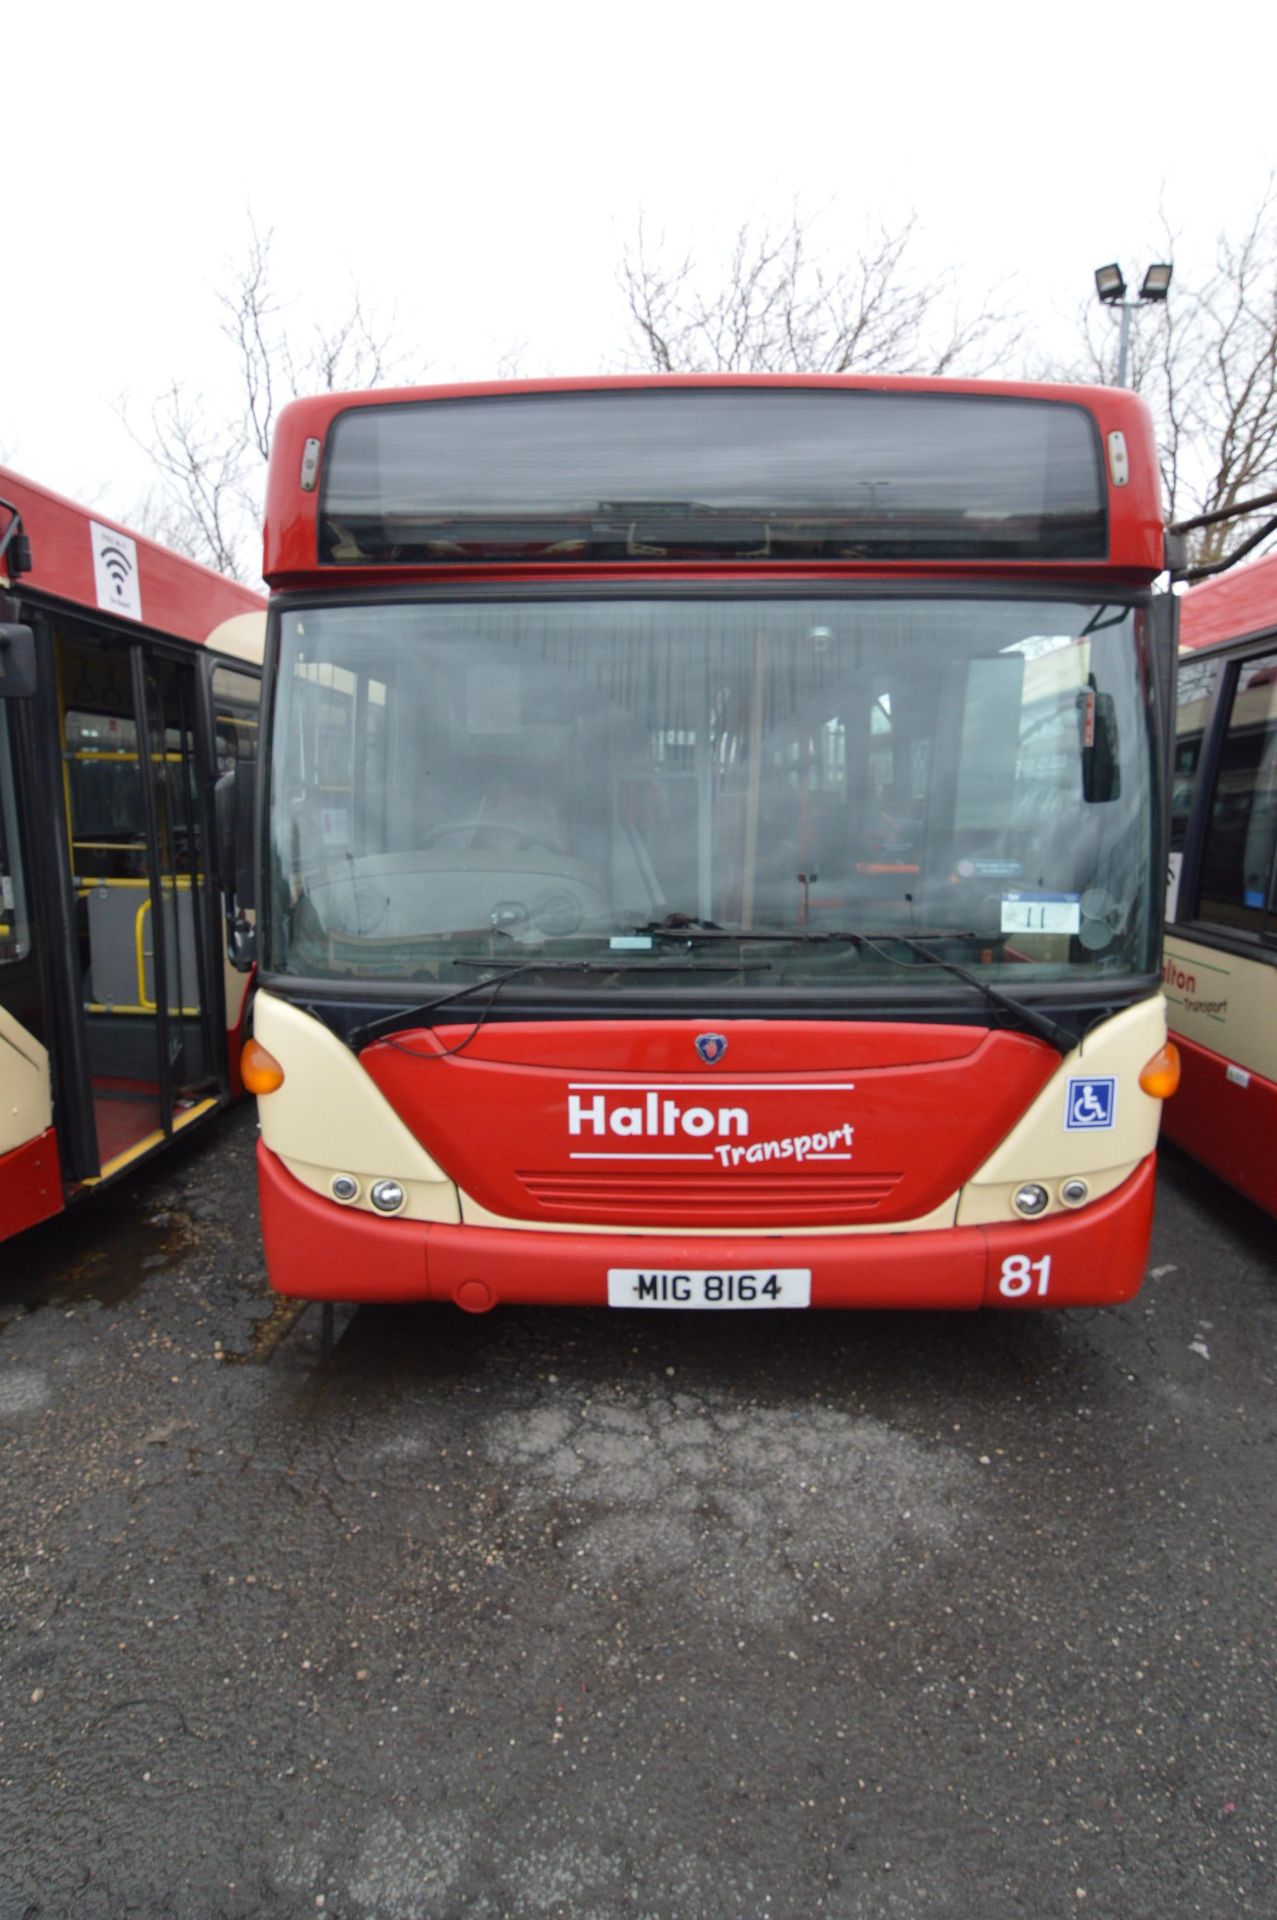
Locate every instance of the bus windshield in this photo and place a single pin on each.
(794, 787)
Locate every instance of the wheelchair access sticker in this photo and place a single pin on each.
(1091, 1105)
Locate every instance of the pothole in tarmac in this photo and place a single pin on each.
(268, 1332)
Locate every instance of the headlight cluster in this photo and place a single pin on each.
(387, 1196)
(1033, 1198)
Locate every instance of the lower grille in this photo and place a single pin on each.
(709, 1199)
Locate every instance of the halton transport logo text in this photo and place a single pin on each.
(713, 1133)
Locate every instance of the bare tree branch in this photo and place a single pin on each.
(250, 309)
(210, 467)
(775, 307)
(201, 482)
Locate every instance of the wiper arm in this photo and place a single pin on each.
(677, 928)
(497, 978)
(1039, 1023)
(684, 926)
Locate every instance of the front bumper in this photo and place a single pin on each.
(318, 1250)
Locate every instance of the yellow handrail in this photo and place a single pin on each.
(143, 910)
(169, 882)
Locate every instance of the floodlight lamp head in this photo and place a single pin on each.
(1110, 284)
(1157, 281)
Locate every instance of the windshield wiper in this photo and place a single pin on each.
(497, 978)
(1039, 1023)
(677, 927)
(680, 927)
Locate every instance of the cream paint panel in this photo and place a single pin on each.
(424, 1200)
(1040, 1148)
(991, 1204)
(328, 1117)
(243, 636)
(1223, 1002)
(26, 1098)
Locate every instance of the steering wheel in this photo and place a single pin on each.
(521, 840)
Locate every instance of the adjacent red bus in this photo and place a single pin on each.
(1221, 944)
(119, 1019)
(712, 844)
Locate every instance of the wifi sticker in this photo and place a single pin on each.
(115, 571)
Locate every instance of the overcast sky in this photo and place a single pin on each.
(477, 171)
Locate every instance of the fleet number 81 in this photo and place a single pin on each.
(1019, 1273)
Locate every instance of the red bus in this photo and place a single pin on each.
(712, 844)
(1221, 944)
(119, 1019)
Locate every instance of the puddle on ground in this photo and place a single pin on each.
(104, 1250)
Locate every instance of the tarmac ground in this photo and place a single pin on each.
(554, 1615)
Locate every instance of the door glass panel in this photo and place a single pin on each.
(177, 971)
(15, 930)
(236, 697)
(107, 831)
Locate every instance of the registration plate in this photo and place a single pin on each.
(714, 1291)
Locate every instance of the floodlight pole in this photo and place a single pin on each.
(1124, 340)
(1111, 289)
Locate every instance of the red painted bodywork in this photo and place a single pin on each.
(178, 596)
(496, 1117)
(1136, 545)
(30, 1184)
(318, 1250)
(1230, 1129)
(1237, 606)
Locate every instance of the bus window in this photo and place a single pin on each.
(235, 702)
(1195, 694)
(103, 794)
(1241, 849)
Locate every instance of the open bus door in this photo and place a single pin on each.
(30, 1181)
(134, 796)
(122, 989)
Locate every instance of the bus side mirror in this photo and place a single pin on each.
(241, 944)
(17, 662)
(1101, 749)
(234, 814)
